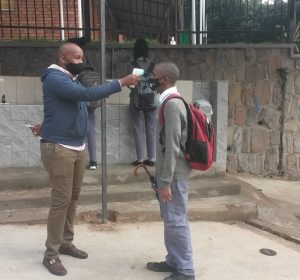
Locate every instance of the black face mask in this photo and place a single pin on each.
(77, 68)
(154, 83)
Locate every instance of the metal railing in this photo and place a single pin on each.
(188, 21)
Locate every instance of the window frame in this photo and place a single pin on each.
(7, 5)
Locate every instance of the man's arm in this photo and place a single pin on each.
(64, 87)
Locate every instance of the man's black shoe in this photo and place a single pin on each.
(160, 267)
(54, 266)
(73, 252)
(179, 276)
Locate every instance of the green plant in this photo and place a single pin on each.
(297, 38)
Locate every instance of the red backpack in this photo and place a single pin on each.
(200, 144)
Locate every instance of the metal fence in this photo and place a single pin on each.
(188, 21)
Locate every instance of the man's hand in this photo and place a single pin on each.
(130, 80)
(165, 194)
(36, 130)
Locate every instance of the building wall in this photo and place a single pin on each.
(19, 148)
(37, 14)
(263, 106)
(24, 105)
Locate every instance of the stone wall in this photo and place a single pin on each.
(263, 112)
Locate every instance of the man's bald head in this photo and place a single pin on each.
(69, 53)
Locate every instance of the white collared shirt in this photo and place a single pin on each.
(166, 93)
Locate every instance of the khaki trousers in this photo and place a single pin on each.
(66, 169)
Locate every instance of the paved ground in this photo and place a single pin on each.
(221, 251)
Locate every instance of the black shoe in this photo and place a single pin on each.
(73, 252)
(136, 163)
(179, 276)
(93, 165)
(160, 267)
(149, 162)
(54, 266)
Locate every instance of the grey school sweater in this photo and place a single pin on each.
(170, 162)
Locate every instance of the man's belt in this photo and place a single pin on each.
(46, 141)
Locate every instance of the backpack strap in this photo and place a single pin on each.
(163, 105)
(162, 118)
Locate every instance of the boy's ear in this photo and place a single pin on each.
(167, 79)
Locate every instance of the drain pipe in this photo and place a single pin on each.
(193, 25)
(79, 9)
(62, 24)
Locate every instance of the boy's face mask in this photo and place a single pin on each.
(154, 83)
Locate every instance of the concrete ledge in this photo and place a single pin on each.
(292, 235)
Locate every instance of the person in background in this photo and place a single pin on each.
(172, 172)
(82, 42)
(143, 119)
(62, 136)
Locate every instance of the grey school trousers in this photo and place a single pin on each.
(143, 126)
(176, 229)
(66, 169)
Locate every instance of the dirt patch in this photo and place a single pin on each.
(94, 220)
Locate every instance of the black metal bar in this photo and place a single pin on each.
(9, 12)
(1, 19)
(51, 18)
(27, 19)
(87, 19)
(43, 11)
(34, 7)
(292, 20)
(60, 17)
(67, 17)
(143, 9)
(18, 19)
(75, 16)
(94, 22)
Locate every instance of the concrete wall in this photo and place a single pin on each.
(263, 106)
(19, 148)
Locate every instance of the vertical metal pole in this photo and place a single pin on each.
(292, 20)
(103, 113)
(79, 11)
(87, 19)
(202, 17)
(62, 21)
(193, 25)
(200, 21)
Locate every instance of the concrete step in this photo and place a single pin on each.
(40, 197)
(37, 177)
(25, 196)
(219, 208)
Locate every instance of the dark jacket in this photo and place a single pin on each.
(65, 111)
